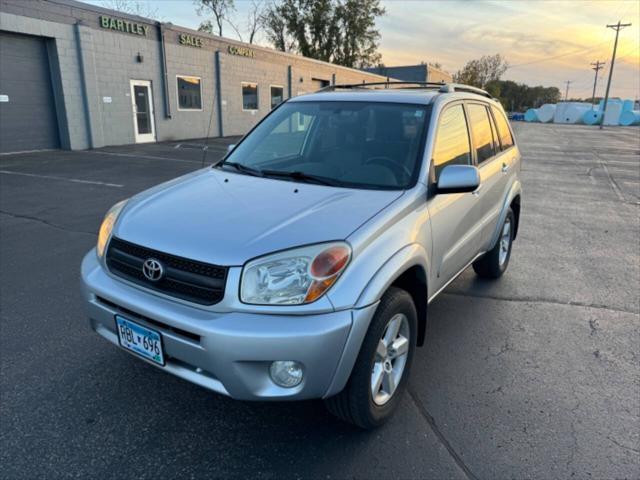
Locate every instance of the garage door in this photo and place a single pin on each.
(27, 111)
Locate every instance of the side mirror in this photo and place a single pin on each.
(458, 179)
(230, 147)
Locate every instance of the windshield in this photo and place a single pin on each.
(350, 144)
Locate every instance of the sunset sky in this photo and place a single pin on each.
(546, 42)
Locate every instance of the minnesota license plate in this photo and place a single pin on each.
(141, 340)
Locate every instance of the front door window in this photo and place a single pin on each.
(141, 93)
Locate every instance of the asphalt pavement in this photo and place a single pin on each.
(536, 375)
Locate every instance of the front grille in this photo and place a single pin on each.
(186, 279)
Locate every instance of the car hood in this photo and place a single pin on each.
(226, 218)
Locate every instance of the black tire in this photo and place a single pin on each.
(355, 403)
(489, 266)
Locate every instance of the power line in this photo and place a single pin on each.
(617, 27)
(629, 53)
(546, 59)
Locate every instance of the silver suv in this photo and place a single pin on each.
(302, 264)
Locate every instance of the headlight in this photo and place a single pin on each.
(293, 277)
(107, 226)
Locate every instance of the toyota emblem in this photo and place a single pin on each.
(152, 269)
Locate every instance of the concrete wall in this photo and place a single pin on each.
(413, 73)
(410, 73)
(236, 70)
(435, 75)
(189, 123)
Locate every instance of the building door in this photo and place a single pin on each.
(142, 102)
(27, 112)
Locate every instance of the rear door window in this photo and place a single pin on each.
(504, 133)
(482, 135)
(452, 140)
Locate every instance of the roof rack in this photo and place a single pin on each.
(440, 86)
(459, 87)
(417, 85)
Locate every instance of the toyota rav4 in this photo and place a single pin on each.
(302, 264)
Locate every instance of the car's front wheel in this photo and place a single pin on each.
(381, 371)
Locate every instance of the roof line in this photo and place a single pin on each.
(98, 9)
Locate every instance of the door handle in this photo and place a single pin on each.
(505, 167)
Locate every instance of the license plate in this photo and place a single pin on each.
(140, 340)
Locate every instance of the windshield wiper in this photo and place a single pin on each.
(242, 168)
(302, 177)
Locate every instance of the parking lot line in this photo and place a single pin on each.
(150, 157)
(22, 152)
(73, 180)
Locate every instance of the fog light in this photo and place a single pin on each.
(286, 373)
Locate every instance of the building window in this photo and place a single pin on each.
(277, 95)
(189, 93)
(249, 96)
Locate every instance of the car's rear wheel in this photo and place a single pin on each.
(495, 262)
(381, 371)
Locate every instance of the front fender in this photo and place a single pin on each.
(407, 257)
(367, 304)
(514, 191)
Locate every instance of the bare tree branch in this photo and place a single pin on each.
(132, 7)
(254, 19)
(221, 11)
(235, 29)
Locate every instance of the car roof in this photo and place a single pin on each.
(409, 92)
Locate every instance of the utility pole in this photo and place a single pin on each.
(617, 27)
(566, 93)
(597, 67)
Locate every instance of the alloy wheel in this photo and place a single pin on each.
(390, 359)
(505, 242)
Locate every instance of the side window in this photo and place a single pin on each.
(452, 141)
(249, 96)
(506, 140)
(277, 94)
(189, 93)
(481, 128)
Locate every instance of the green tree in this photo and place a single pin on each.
(482, 70)
(275, 28)
(358, 36)
(338, 31)
(206, 27)
(518, 97)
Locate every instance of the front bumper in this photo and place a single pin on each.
(230, 353)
